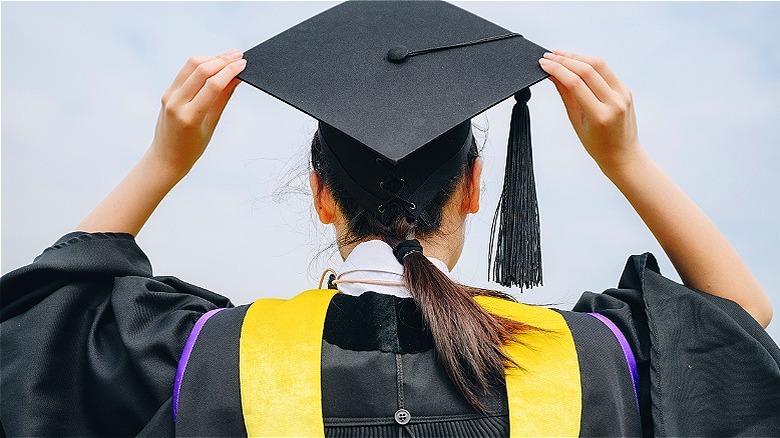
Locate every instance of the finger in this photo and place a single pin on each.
(188, 68)
(574, 84)
(592, 78)
(215, 112)
(600, 65)
(193, 63)
(215, 86)
(183, 74)
(566, 95)
(569, 103)
(196, 80)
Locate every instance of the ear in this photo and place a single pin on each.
(324, 203)
(473, 188)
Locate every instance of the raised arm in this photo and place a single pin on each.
(601, 110)
(191, 108)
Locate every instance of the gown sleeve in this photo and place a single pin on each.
(90, 340)
(706, 367)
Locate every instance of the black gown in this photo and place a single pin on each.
(90, 342)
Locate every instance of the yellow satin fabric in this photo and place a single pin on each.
(545, 396)
(279, 365)
(280, 356)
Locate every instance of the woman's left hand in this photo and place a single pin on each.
(192, 107)
(601, 110)
(600, 107)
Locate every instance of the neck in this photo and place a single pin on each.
(447, 250)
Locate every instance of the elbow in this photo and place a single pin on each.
(762, 312)
(765, 317)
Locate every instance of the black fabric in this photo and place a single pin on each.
(606, 382)
(427, 388)
(212, 374)
(28, 285)
(375, 321)
(372, 377)
(161, 424)
(334, 67)
(90, 341)
(376, 183)
(706, 367)
(341, 387)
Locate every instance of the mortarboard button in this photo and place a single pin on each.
(397, 54)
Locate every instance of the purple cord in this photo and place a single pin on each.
(185, 357)
(627, 352)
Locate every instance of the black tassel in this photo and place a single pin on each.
(517, 259)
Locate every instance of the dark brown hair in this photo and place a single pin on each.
(468, 339)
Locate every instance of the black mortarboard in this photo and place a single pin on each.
(394, 85)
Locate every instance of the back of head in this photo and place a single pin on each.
(468, 340)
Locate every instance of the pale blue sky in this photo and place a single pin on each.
(80, 93)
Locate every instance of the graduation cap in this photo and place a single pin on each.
(394, 85)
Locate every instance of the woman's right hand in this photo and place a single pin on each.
(191, 108)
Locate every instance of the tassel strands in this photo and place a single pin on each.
(515, 254)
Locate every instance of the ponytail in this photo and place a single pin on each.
(468, 340)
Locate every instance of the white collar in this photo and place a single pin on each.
(374, 260)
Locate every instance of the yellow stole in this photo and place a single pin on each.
(280, 355)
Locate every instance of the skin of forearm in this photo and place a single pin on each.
(127, 208)
(699, 252)
(191, 108)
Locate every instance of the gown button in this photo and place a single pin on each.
(402, 416)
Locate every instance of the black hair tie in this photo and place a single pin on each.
(405, 248)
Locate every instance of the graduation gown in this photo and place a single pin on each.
(91, 341)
